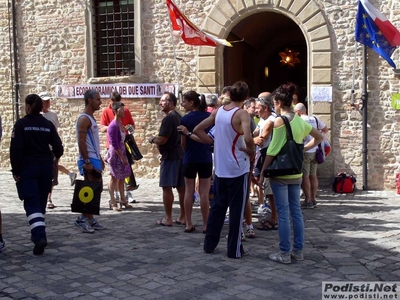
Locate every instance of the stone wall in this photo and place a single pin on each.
(53, 50)
(347, 122)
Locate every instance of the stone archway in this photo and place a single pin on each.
(310, 18)
(307, 14)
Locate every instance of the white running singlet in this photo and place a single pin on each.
(229, 161)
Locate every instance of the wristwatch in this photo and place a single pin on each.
(189, 134)
(87, 161)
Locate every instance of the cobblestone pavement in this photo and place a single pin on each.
(348, 237)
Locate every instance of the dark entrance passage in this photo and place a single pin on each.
(257, 59)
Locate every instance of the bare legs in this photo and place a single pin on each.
(181, 195)
(204, 191)
(63, 169)
(313, 187)
(306, 186)
(111, 189)
(204, 188)
(117, 185)
(168, 201)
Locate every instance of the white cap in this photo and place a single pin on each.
(45, 96)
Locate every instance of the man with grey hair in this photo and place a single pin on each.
(310, 179)
(264, 109)
(212, 103)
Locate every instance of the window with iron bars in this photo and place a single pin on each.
(114, 47)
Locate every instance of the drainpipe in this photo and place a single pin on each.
(16, 79)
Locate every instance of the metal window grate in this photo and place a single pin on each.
(114, 37)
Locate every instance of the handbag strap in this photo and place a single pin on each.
(289, 134)
(316, 121)
(319, 145)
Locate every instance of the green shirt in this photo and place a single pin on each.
(300, 130)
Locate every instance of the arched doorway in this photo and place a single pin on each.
(306, 15)
(257, 59)
(313, 29)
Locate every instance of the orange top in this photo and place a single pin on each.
(107, 116)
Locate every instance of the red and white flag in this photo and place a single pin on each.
(190, 33)
(388, 30)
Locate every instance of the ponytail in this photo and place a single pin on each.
(35, 102)
(203, 103)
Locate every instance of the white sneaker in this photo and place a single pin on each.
(83, 223)
(250, 233)
(196, 199)
(297, 255)
(263, 210)
(96, 225)
(129, 197)
(72, 178)
(283, 258)
(226, 221)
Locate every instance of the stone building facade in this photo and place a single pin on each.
(55, 44)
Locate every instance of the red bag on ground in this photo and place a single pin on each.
(344, 183)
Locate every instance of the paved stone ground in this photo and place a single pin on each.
(348, 237)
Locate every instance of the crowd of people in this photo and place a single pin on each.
(228, 142)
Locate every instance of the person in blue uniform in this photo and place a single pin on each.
(31, 162)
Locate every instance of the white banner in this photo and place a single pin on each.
(134, 90)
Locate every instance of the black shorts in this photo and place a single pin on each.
(192, 169)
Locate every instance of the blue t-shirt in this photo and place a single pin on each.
(195, 152)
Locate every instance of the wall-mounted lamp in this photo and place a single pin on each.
(266, 72)
(289, 58)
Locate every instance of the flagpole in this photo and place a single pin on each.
(364, 98)
(175, 60)
(194, 73)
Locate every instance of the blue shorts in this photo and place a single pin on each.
(96, 163)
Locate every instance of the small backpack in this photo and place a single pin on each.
(344, 183)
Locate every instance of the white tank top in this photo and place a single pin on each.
(229, 161)
(92, 138)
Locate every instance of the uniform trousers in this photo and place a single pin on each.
(33, 188)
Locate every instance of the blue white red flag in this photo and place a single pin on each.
(375, 31)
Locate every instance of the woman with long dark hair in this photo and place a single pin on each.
(197, 160)
(286, 189)
(32, 162)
